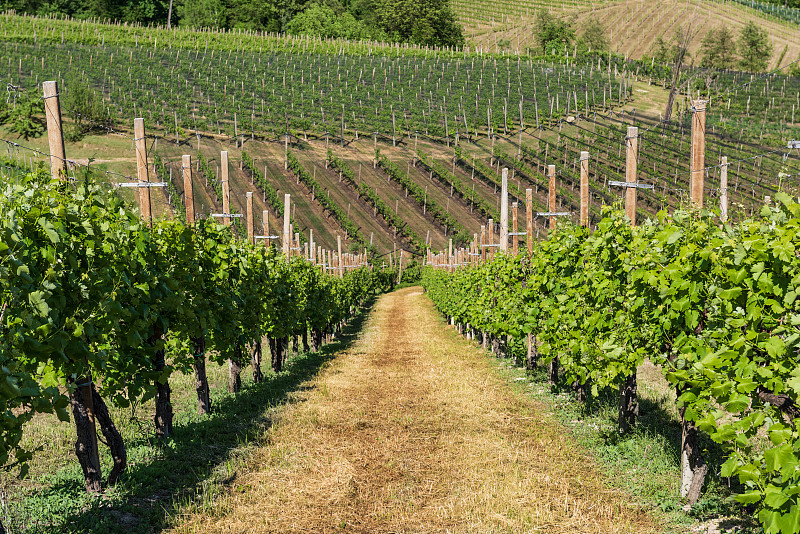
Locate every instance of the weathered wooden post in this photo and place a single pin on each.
(491, 242)
(287, 232)
(55, 134)
(529, 220)
(504, 211)
(226, 188)
(698, 152)
(141, 170)
(188, 189)
(339, 256)
(551, 194)
(483, 244)
(584, 188)
(400, 267)
(265, 227)
(249, 214)
(631, 171)
(723, 190)
(450, 266)
(515, 228)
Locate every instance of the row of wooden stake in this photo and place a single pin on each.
(332, 262)
(481, 249)
(484, 247)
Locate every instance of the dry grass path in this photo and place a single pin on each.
(410, 430)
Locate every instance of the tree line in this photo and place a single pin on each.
(721, 48)
(423, 22)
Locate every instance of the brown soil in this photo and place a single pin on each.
(411, 431)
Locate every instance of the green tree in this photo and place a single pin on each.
(754, 47)
(552, 33)
(85, 107)
(660, 50)
(424, 22)
(24, 114)
(203, 13)
(718, 49)
(323, 21)
(671, 51)
(794, 70)
(593, 38)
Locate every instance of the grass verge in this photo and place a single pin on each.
(163, 479)
(645, 464)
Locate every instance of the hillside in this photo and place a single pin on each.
(631, 25)
(409, 103)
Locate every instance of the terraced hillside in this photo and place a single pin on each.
(631, 25)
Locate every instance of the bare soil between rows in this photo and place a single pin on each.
(411, 430)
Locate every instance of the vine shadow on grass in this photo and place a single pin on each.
(198, 462)
(656, 424)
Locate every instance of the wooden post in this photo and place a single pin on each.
(226, 188)
(631, 171)
(141, 170)
(312, 247)
(400, 267)
(297, 243)
(551, 193)
(339, 248)
(529, 220)
(265, 226)
(723, 190)
(491, 238)
(698, 152)
(55, 135)
(249, 214)
(287, 204)
(584, 188)
(188, 190)
(483, 244)
(450, 266)
(515, 228)
(504, 211)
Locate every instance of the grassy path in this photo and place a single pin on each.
(410, 430)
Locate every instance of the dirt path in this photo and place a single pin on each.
(411, 431)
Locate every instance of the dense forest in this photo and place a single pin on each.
(425, 22)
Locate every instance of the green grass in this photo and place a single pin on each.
(645, 463)
(163, 479)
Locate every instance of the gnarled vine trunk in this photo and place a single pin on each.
(163, 416)
(581, 390)
(274, 348)
(255, 362)
(235, 369)
(112, 436)
(495, 344)
(628, 403)
(200, 378)
(316, 339)
(552, 371)
(533, 354)
(86, 437)
(693, 466)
